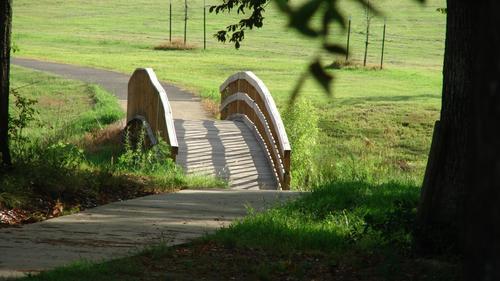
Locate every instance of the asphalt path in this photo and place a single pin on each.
(185, 105)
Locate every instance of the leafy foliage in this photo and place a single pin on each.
(300, 19)
(138, 158)
(302, 129)
(25, 114)
(442, 10)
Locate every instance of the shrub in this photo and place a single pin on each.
(137, 158)
(301, 122)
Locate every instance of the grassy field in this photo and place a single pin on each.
(378, 121)
(122, 34)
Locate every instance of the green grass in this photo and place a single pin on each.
(65, 107)
(334, 218)
(382, 107)
(121, 35)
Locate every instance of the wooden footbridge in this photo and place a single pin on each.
(248, 146)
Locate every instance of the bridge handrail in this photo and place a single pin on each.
(147, 100)
(245, 94)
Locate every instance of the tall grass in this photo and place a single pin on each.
(301, 121)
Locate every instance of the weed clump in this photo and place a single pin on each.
(301, 123)
(174, 45)
(350, 65)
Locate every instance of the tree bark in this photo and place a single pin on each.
(482, 193)
(460, 204)
(440, 211)
(5, 31)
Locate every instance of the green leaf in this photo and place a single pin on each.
(324, 79)
(334, 48)
(283, 6)
(300, 19)
(297, 88)
(367, 4)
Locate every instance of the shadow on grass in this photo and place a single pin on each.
(407, 98)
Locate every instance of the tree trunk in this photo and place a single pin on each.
(444, 182)
(460, 204)
(482, 193)
(5, 30)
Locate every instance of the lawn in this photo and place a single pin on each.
(380, 120)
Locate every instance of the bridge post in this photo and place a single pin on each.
(147, 101)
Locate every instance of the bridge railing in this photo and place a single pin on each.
(148, 101)
(245, 95)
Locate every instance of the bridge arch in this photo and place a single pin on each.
(244, 95)
(148, 103)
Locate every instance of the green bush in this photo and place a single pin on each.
(137, 158)
(301, 122)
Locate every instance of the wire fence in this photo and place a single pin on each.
(412, 40)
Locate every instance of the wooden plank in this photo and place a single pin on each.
(244, 93)
(147, 98)
(230, 151)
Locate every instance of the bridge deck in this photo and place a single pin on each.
(227, 149)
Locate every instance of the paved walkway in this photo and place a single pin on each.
(120, 229)
(185, 105)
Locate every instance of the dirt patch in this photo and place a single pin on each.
(50, 102)
(211, 107)
(174, 45)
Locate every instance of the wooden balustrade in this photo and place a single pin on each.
(148, 102)
(244, 95)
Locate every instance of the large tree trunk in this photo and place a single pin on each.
(482, 192)
(5, 30)
(440, 209)
(460, 204)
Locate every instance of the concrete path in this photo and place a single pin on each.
(120, 229)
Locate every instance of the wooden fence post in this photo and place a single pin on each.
(383, 45)
(185, 20)
(170, 22)
(348, 39)
(204, 25)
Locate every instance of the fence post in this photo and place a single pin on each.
(185, 20)
(368, 19)
(170, 23)
(348, 39)
(204, 25)
(383, 45)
